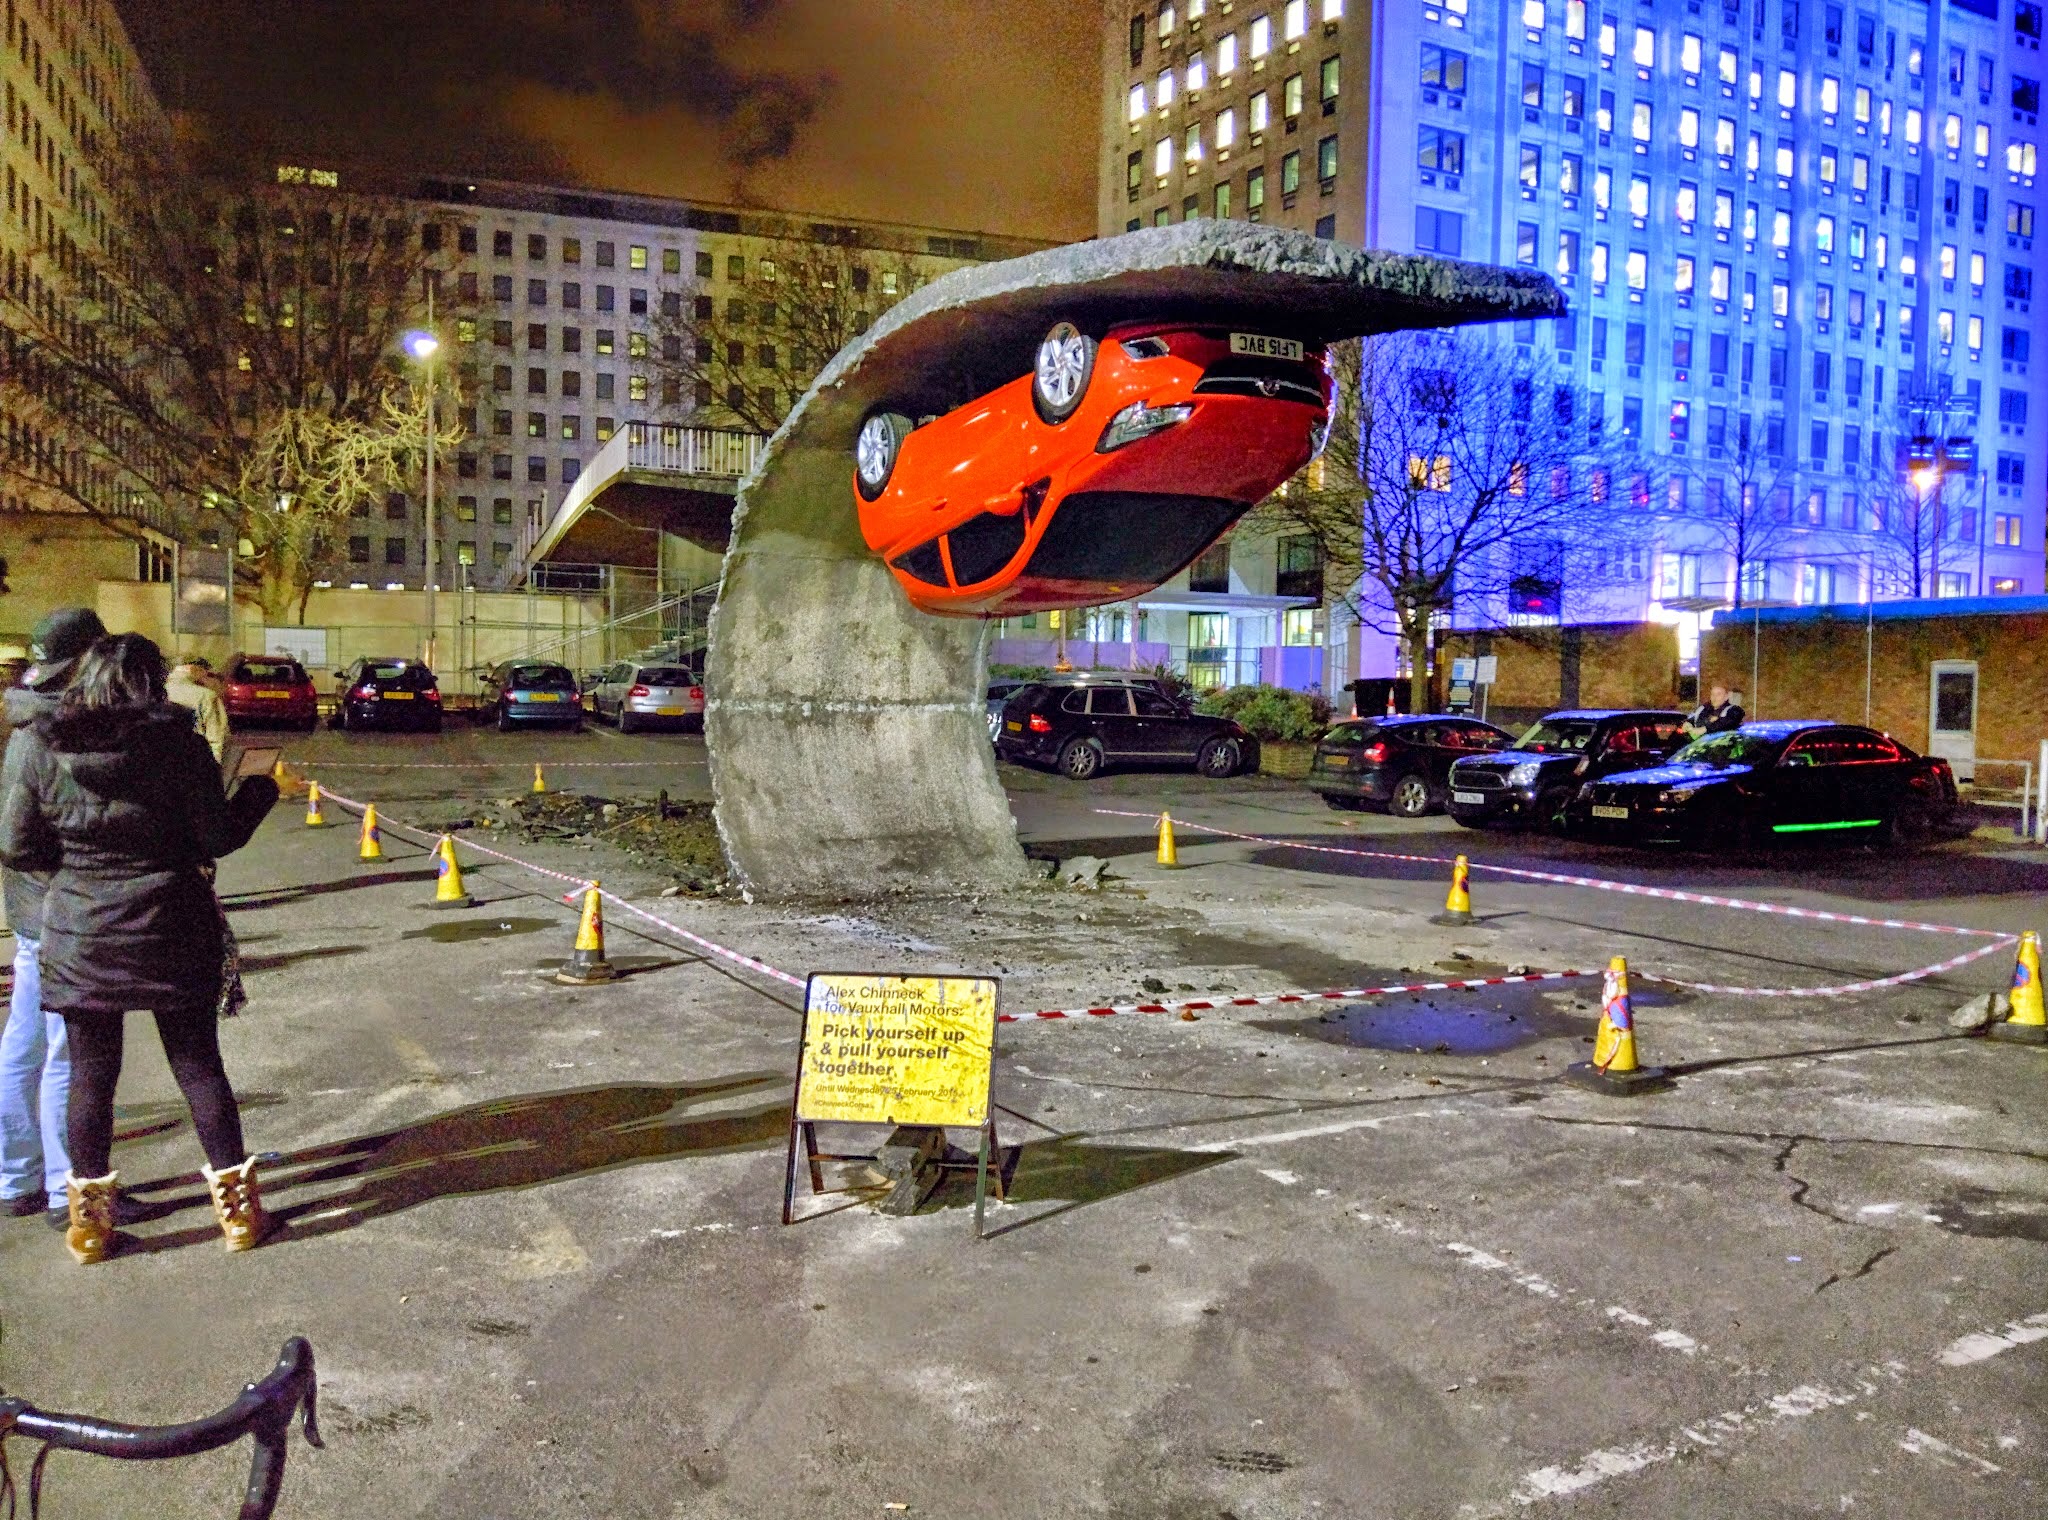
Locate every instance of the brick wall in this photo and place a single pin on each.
(1582, 665)
(1817, 670)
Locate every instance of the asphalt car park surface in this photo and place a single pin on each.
(1363, 1259)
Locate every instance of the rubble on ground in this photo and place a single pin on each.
(677, 839)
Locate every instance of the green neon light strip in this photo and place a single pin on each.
(1810, 828)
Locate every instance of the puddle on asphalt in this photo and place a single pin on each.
(1296, 965)
(1484, 1022)
(460, 930)
(1986, 1215)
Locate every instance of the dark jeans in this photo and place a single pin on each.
(191, 1039)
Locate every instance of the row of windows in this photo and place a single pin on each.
(1224, 192)
(1258, 109)
(397, 551)
(1258, 33)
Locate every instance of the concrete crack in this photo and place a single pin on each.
(1863, 1271)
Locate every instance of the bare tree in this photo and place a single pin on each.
(1458, 475)
(742, 361)
(1914, 521)
(225, 339)
(1745, 500)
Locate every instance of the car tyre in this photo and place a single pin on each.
(1342, 803)
(1079, 759)
(626, 723)
(1551, 803)
(875, 448)
(504, 721)
(1060, 372)
(1413, 797)
(1219, 758)
(1908, 827)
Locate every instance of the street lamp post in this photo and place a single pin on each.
(422, 346)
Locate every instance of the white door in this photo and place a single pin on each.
(1952, 719)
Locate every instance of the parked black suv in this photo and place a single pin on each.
(1081, 725)
(1402, 763)
(1531, 783)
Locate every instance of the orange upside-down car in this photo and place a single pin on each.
(1108, 468)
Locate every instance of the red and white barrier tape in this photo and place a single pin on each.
(1596, 883)
(1349, 994)
(486, 765)
(2003, 942)
(709, 946)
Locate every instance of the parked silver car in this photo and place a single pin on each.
(634, 696)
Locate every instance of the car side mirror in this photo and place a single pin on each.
(341, 675)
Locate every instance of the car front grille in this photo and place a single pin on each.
(1273, 380)
(1474, 780)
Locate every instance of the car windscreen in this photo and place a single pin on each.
(1349, 735)
(1559, 736)
(540, 677)
(1735, 748)
(281, 672)
(665, 675)
(404, 675)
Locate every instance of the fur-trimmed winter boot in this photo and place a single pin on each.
(237, 1204)
(91, 1235)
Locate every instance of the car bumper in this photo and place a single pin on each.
(1655, 823)
(300, 710)
(1372, 786)
(541, 712)
(394, 714)
(1510, 803)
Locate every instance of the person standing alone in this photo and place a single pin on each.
(120, 799)
(35, 1061)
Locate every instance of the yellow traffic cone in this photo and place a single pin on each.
(1169, 853)
(1614, 1068)
(539, 781)
(1458, 902)
(587, 965)
(2027, 1024)
(315, 819)
(287, 783)
(372, 846)
(448, 892)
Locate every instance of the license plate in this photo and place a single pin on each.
(1015, 728)
(668, 712)
(538, 696)
(1263, 347)
(275, 696)
(396, 696)
(1605, 810)
(1467, 797)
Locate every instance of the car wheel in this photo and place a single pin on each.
(1219, 758)
(1342, 803)
(311, 724)
(875, 448)
(1413, 797)
(1908, 827)
(1550, 805)
(1060, 373)
(626, 724)
(504, 721)
(1079, 759)
(433, 725)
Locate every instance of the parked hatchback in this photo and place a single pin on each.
(269, 688)
(531, 691)
(1080, 728)
(1401, 763)
(388, 693)
(1532, 783)
(637, 696)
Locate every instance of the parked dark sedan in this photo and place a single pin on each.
(1402, 763)
(1531, 783)
(388, 693)
(1762, 782)
(1079, 728)
(530, 691)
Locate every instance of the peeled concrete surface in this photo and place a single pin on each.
(1249, 1271)
(847, 729)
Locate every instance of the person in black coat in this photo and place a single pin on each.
(120, 798)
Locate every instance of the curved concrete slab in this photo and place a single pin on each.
(849, 747)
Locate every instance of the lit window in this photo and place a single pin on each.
(1638, 197)
(1749, 215)
(1861, 110)
(1948, 261)
(1638, 269)
(1333, 10)
(1603, 190)
(1567, 253)
(1198, 72)
(636, 388)
(1290, 97)
(1781, 229)
(1724, 137)
(1788, 88)
(1976, 336)
(1639, 122)
(1756, 85)
(1827, 166)
(1945, 326)
(1290, 173)
(1977, 272)
(1258, 115)
(1137, 101)
(1599, 266)
(1162, 157)
(1163, 90)
(1830, 94)
(1688, 128)
(1882, 242)
(1682, 278)
(1226, 128)
(1724, 210)
(767, 267)
(636, 256)
(1226, 55)
(1686, 204)
(636, 345)
(2019, 157)
(1859, 239)
(1568, 166)
(1689, 47)
(1646, 47)
(1575, 20)
(1824, 234)
(1717, 282)
(1859, 173)
(1294, 19)
(1981, 141)
(1192, 148)
(1730, 64)
(1952, 132)
(1782, 160)
(1533, 15)
(1607, 41)
(1753, 154)
(1166, 20)
(1262, 36)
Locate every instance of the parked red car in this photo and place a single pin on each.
(1108, 468)
(269, 688)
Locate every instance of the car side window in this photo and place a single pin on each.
(1809, 752)
(1665, 735)
(1853, 745)
(1110, 701)
(1074, 702)
(1152, 704)
(1480, 738)
(1627, 740)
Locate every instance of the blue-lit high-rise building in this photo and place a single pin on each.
(1796, 236)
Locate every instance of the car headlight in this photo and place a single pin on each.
(1672, 794)
(1525, 773)
(1141, 421)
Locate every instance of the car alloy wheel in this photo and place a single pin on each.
(1550, 809)
(1061, 371)
(1080, 759)
(1411, 797)
(1219, 758)
(875, 448)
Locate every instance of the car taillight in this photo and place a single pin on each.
(1039, 723)
(1373, 753)
(364, 692)
(640, 691)
(432, 694)
(696, 693)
